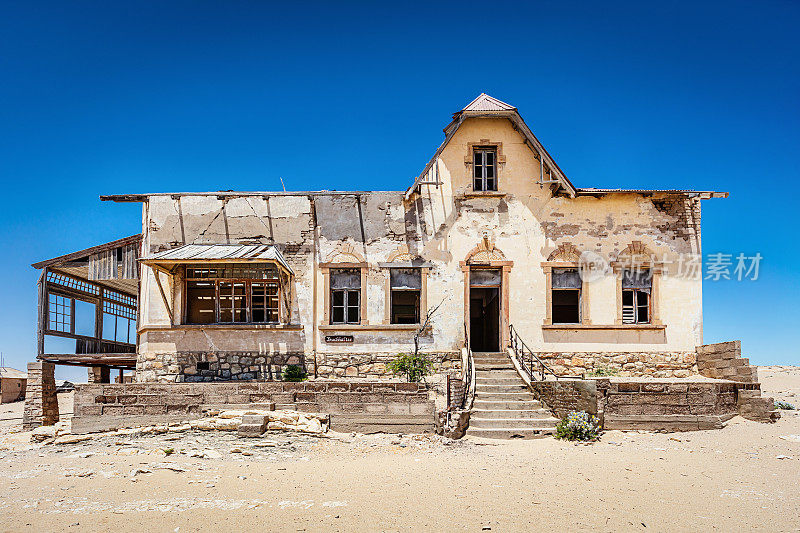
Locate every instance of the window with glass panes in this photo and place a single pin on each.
(636, 290)
(345, 296)
(484, 173)
(233, 294)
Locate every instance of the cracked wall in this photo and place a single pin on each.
(440, 226)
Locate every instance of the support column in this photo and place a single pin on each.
(99, 374)
(41, 403)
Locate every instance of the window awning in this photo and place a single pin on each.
(218, 253)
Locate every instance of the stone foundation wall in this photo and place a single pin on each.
(41, 402)
(666, 405)
(221, 366)
(627, 364)
(247, 366)
(373, 365)
(101, 407)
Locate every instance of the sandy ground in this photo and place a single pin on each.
(745, 476)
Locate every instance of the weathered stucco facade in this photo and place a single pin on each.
(535, 221)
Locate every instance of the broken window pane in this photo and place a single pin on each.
(200, 297)
(405, 306)
(85, 317)
(635, 306)
(566, 306)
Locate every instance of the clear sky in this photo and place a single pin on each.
(114, 97)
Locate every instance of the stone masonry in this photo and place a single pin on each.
(635, 364)
(41, 403)
(366, 405)
(724, 361)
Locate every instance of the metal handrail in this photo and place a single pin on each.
(520, 348)
(469, 388)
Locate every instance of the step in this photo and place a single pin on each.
(501, 387)
(508, 423)
(490, 378)
(510, 433)
(536, 412)
(520, 396)
(497, 373)
(488, 354)
(491, 358)
(505, 405)
(494, 366)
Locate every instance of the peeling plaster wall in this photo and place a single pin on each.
(441, 225)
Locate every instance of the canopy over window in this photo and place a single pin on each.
(219, 253)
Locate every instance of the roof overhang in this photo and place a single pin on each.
(703, 195)
(190, 254)
(85, 253)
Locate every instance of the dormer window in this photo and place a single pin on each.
(484, 171)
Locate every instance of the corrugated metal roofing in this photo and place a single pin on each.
(8, 372)
(484, 102)
(218, 252)
(594, 190)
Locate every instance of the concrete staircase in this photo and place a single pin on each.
(504, 408)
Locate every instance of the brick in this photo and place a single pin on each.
(133, 410)
(628, 387)
(112, 410)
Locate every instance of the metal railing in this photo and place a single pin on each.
(460, 391)
(528, 361)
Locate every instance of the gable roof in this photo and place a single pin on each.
(485, 106)
(13, 373)
(484, 102)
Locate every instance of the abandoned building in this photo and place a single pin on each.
(12, 384)
(492, 244)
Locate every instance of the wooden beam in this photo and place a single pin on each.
(157, 275)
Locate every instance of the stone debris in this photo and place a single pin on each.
(248, 423)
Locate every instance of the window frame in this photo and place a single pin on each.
(483, 179)
(579, 290)
(636, 293)
(248, 297)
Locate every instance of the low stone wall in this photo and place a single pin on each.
(353, 406)
(567, 395)
(724, 360)
(670, 405)
(634, 364)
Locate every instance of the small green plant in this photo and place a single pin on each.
(414, 366)
(294, 373)
(169, 451)
(578, 425)
(603, 371)
(785, 406)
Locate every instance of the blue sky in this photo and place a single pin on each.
(113, 97)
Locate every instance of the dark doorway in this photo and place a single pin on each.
(484, 319)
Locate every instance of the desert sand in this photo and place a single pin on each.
(743, 477)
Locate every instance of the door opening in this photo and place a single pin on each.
(484, 319)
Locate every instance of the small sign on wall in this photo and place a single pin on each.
(338, 338)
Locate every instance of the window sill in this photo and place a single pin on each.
(635, 327)
(268, 327)
(487, 194)
(369, 327)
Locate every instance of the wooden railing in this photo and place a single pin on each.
(528, 361)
